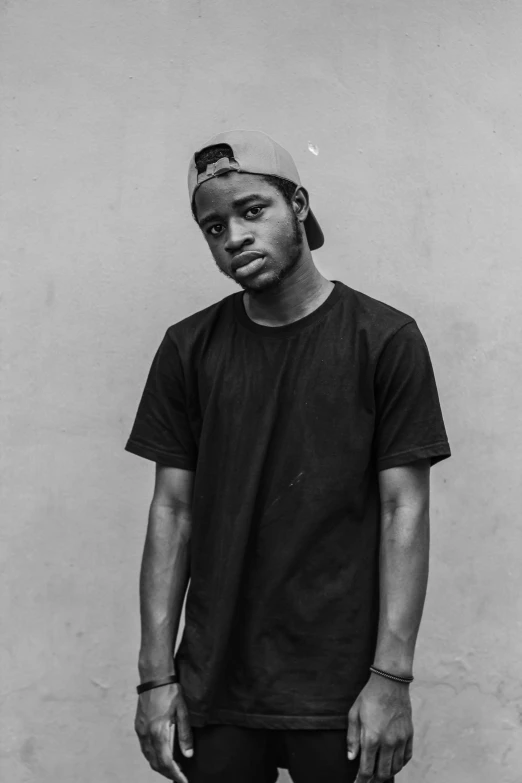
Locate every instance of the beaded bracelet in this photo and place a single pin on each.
(395, 677)
(148, 686)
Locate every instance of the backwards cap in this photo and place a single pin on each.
(253, 152)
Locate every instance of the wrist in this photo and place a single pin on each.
(150, 685)
(397, 662)
(154, 669)
(387, 682)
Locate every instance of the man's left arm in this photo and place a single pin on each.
(380, 721)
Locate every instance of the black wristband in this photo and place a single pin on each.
(148, 686)
(395, 677)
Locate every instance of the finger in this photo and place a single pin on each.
(184, 731)
(398, 759)
(162, 760)
(148, 751)
(169, 768)
(178, 775)
(353, 735)
(369, 748)
(383, 767)
(408, 751)
(145, 744)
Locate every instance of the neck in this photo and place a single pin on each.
(299, 294)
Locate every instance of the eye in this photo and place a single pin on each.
(215, 230)
(256, 210)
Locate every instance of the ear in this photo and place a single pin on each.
(301, 203)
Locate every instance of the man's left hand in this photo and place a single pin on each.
(380, 728)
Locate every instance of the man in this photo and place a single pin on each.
(293, 425)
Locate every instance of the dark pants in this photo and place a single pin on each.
(230, 754)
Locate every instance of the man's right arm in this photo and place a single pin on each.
(164, 579)
(164, 570)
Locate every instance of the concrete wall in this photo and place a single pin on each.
(416, 112)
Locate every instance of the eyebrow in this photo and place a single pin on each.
(238, 202)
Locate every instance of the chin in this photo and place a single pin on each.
(260, 284)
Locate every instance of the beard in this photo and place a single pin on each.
(292, 257)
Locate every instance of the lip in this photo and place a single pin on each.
(245, 258)
(251, 267)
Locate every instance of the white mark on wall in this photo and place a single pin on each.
(102, 685)
(314, 149)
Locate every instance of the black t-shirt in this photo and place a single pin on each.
(286, 429)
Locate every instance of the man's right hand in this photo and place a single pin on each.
(160, 712)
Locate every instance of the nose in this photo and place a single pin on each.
(239, 235)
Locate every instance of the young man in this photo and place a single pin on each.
(293, 425)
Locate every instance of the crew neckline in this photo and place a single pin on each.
(294, 326)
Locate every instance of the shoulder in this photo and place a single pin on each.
(375, 322)
(373, 312)
(195, 328)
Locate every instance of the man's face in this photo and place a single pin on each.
(252, 232)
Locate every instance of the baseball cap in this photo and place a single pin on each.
(253, 152)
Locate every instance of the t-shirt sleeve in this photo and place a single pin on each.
(409, 423)
(161, 430)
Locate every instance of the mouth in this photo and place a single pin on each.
(247, 263)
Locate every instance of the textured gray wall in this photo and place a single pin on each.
(416, 112)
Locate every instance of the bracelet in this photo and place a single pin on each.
(148, 686)
(395, 677)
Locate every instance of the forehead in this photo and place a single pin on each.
(221, 192)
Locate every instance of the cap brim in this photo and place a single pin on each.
(313, 231)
